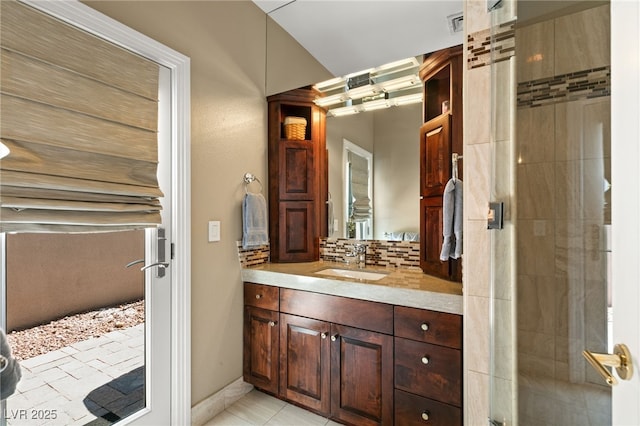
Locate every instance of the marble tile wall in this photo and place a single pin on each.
(563, 169)
(489, 158)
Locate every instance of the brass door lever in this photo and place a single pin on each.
(620, 360)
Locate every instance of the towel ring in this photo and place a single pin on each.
(248, 179)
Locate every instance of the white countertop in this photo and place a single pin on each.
(404, 287)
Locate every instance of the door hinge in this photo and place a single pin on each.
(173, 251)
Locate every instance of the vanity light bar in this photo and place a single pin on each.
(330, 100)
(400, 65)
(348, 110)
(407, 99)
(399, 83)
(378, 104)
(333, 83)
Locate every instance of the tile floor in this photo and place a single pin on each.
(258, 408)
(96, 381)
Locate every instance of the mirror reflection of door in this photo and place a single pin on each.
(358, 202)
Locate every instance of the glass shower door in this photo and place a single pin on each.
(552, 107)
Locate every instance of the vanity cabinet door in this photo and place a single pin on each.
(297, 171)
(296, 231)
(261, 348)
(304, 362)
(361, 376)
(435, 156)
(431, 238)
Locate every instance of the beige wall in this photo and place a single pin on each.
(226, 43)
(52, 275)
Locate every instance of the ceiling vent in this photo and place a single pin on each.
(455, 22)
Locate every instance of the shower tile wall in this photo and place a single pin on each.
(563, 159)
(486, 144)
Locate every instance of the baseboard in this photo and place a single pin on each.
(207, 409)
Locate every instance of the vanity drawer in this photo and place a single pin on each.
(439, 328)
(429, 370)
(413, 410)
(372, 316)
(262, 296)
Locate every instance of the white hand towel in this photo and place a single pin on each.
(452, 220)
(255, 227)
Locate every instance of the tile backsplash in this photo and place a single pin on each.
(253, 256)
(399, 254)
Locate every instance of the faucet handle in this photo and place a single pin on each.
(360, 248)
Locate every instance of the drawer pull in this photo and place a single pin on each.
(323, 335)
(425, 360)
(334, 337)
(425, 415)
(272, 323)
(258, 296)
(424, 326)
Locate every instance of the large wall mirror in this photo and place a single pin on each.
(392, 136)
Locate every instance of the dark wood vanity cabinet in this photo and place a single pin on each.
(440, 137)
(297, 184)
(261, 336)
(357, 362)
(428, 367)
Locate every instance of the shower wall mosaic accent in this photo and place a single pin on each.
(399, 254)
(253, 256)
(480, 50)
(592, 83)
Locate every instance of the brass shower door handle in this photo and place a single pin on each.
(620, 360)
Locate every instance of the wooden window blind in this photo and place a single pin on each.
(79, 116)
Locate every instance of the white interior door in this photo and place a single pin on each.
(167, 316)
(625, 141)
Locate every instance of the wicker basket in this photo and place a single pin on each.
(295, 128)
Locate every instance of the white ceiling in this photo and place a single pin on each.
(352, 35)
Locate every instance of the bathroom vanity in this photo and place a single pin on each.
(380, 350)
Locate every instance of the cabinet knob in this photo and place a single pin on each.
(323, 335)
(334, 337)
(425, 360)
(272, 323)
(425, 415)
(424, 326)
(258, 296)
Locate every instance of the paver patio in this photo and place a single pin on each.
(96, 381)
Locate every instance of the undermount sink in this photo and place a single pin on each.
(350, 273)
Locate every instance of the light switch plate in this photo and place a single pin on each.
(214, 230)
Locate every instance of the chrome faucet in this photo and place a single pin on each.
(360, 251)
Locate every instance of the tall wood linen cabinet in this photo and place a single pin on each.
(440, 137)
(297, 176)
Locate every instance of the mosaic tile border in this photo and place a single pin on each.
(399, 254)
(592, 83)
(253, 256)
(480, 51)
